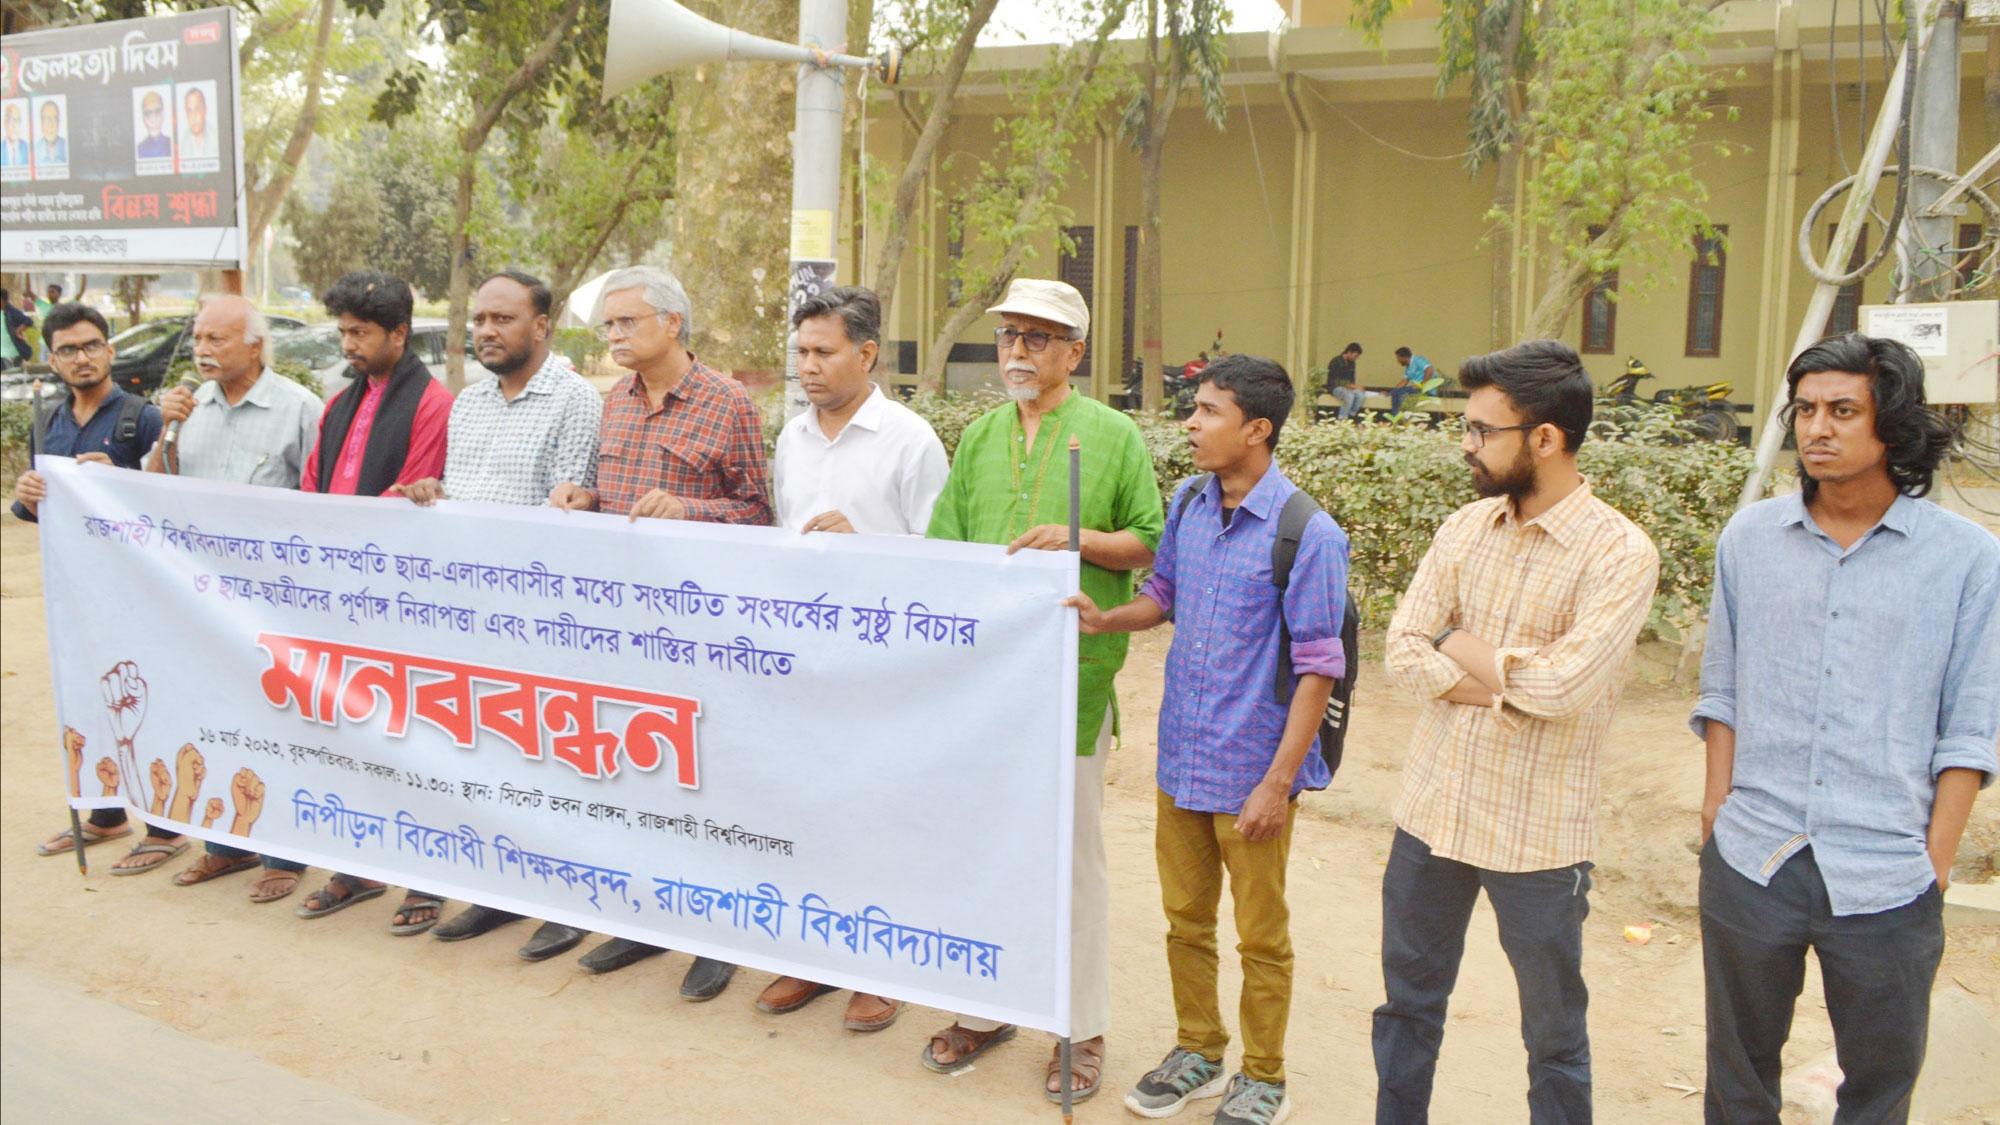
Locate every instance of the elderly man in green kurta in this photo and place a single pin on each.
(1009, 484)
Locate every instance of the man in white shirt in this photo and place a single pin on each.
(856, 461)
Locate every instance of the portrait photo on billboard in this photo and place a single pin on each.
(153, 130)
(16, 142)
(50, 155)
(195, 144)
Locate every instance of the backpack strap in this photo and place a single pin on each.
(1298, 511)
(130, 408)
(1189, 488)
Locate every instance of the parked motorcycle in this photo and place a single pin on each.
(1707, 409)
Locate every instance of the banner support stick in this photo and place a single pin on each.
(75, 821)
(1068, 1108)
(1075, 494)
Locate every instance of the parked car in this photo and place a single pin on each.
(318, 347)
(148, 350)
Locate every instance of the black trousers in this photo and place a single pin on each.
(1426, 906)
(1878, 970)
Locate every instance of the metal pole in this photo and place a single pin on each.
(1928, 241)
(815, 173)
(1068, 1104)
(1075, 495)
(75, 821)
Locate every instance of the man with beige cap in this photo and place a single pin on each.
(1009, 485)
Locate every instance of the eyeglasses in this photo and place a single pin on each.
(619, 326)
(1037, 340)
(1479, 431)
(68, 352)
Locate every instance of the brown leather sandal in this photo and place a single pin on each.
(964, 1045)
(1086, 1070)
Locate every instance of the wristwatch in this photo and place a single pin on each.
(1438, 641)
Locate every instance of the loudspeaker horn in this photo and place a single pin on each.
(651, 37)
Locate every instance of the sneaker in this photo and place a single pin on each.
(1250, 1102)
(1170, 1086)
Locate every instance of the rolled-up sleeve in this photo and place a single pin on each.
(1431, 603)
(1969, 710)
(1718, 657)
(1316, 600)
(1567, 675)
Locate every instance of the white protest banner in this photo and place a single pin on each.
(745, 743)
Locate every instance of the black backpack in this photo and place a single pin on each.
(1298, 511)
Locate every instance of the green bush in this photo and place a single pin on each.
(1392, 482)
(16, 419)
(580, 346)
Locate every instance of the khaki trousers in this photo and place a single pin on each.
(1193, 850)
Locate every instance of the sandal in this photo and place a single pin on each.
(339, 893)
(62, 843)
(964, 1044)
(1086, 1070)
(150, 847)
(211, 866)
(266, 888)
(413, 902)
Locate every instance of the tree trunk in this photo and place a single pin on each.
(267, 197)
(469, 145)
(1568, 284)
(566, 276)
(733, 190)
(902, 213)
(1506, 244)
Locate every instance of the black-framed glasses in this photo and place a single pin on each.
(1036, 339)
(1479, 431)
(69, 352)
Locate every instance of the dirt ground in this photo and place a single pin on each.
(467, 1032)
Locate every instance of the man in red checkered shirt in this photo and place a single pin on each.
(678, 442)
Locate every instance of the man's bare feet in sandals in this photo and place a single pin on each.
(418, 913)
(340, 892)
(958, 1045)
(150, 853)
(62, 843)
(273, 885)
(1086, 1069)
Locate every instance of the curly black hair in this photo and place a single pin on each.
(374, 297)
(1917, 436)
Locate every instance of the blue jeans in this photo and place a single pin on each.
(1426, 906)
(1876, 969)
(271, 863)
(1350, 400)
(1398, 394)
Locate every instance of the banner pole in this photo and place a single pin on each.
(1075, 494)
(75, 821)
(1068, 1108)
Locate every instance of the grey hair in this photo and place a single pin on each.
(256, 329)
(657, 287)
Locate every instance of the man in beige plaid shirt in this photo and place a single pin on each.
(1517, 631)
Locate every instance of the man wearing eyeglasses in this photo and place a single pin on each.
(678, 441)
(155, 145)
(1516, 633)
(91, 420)
(1009, 484)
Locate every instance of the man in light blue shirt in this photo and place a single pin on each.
(1416, 369)
(1850, 702)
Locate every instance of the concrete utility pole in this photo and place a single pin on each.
(815, 174)
(1928, 243)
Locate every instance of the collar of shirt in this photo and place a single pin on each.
(1901, 518)
(868, 417)
(1565, 520)
(1261, 501)
(259, 394)
(542, 382)
(685, 390)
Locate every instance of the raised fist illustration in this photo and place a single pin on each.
(124, 693)
(212, 813)
(107, 776)
(189, 770)
(162, 783)
(73, 755)
(246, 791)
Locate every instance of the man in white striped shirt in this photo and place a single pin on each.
(514, 438)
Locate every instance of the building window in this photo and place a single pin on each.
(1129, 314)
(1704, 319)
(1600, 312)
(1846, 313)
(1076, 268)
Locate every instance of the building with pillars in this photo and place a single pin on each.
(1334, 205)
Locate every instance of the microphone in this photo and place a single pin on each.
(173, 434)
